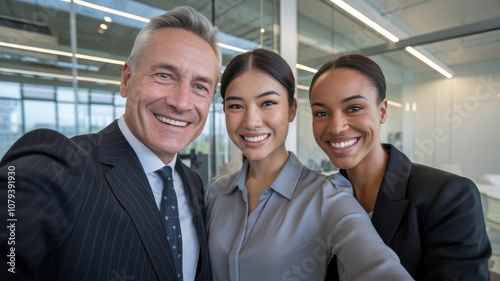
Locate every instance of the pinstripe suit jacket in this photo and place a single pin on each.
(85, 211)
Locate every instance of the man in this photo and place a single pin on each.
(91, 207)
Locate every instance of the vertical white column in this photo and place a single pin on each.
(74, 62)
(408, 114)
(288, 50)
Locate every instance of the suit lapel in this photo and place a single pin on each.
(130, 185)
(391, 204)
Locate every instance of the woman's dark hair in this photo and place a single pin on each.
(264, 60)
(360, 63)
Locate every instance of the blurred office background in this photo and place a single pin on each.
(60, 67)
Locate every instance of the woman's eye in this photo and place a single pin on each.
(268, 103)
(320, 114)
(235, 106)
(354, 108)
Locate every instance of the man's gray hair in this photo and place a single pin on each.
(183, 17)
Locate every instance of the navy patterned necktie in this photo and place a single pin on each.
(170, 215)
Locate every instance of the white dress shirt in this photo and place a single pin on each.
(150, 163)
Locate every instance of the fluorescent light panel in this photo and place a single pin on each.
(427, 61)
(306, 68)
(60, 53)
(394, 103)
(229, 47)
(60, 76)
(108, 10)
(341, 4)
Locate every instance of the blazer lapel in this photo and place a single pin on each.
(391, 204)
(131, 187)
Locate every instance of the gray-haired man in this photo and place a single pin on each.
(91, 207)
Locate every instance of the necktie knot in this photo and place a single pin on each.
(165, 173)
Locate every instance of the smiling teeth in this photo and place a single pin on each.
(344, 144)
(171, 122)
(256, 139)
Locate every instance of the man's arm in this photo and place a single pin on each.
(40, 178)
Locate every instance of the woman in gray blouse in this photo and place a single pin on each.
(275, 219)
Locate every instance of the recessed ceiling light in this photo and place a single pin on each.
(108, 19)
(103, 26)
(100, 30)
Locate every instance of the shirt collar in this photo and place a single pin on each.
(284, 184)
(239, 179)
(149, 161)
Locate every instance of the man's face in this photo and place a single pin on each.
(170, 92)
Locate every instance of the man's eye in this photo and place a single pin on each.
(201, 88)
(163, 75)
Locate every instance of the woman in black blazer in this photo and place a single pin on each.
(432, 219)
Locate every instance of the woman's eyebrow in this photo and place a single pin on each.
(352, 98)
(269, 93)
(233, 98)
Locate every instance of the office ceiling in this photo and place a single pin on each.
(409, 19)
(45, 23)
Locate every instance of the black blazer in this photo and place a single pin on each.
(85, 211)
(432, 219)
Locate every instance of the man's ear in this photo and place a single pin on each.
(383, 111)
(126, 74)
(292, 111)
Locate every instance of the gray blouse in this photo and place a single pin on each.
(302, 220)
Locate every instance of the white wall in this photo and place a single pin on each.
(457, 122)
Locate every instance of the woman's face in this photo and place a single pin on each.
(346, 116)
(257, 114)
